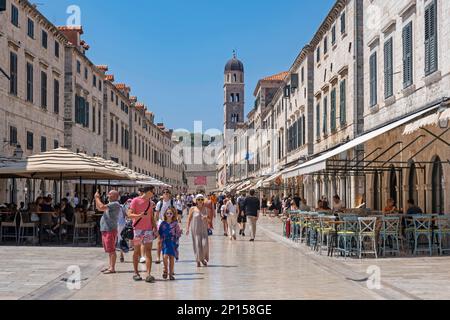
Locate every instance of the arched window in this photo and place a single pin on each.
(412, 183)
(228, 78)
(237, 97)
(235, 77)
(437, 189)
(393, 186)
(232, 97)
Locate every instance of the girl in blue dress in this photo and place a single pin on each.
(170, 233)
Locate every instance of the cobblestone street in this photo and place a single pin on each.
(270, 268)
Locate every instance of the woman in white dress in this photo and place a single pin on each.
(197, 224)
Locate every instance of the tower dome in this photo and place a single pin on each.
(234, 65)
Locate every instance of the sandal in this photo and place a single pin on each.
(172, 278)
(158, 262)
(150, 279)
(137, 277)
(205, 263)
(165, 275)
(109, 272)
(122, 260)
(104, 270)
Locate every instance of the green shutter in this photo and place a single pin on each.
(431, 54)
(333, 110)
(388, 69)
(318, 121)
(325, 115)
(407, 56)
(343, 101)
(373, 80)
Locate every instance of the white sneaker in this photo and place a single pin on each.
(143, 260)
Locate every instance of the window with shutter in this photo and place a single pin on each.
(13, 74)
(388, 69)
(12, 136)
(86, 122)
(373, 80)
(43, 90)
(56, 96)
(29, 140)
(325, 115)
(407, 56)
(29, 82)
(431, 53)
(343, 25)
(333, 110)
(318, 121)
(343, 102)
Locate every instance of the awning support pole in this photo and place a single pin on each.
(429, 144)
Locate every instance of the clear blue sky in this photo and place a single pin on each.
(172, 53)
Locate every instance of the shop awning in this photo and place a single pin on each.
(320, 163)
(431, 120)
(271, 179)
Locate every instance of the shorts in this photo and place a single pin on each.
(109, 240)
(224, 218)
(242, 219)
(143, 237)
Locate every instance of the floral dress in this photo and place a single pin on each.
(170, 236)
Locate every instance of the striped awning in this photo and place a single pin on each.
(431, 120)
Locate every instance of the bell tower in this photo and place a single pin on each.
(234, 90)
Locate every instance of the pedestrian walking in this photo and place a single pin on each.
(252, 207)
(170, 233)
(144, 226)
(242, 218)
(161, 207)
(232, 218)
(224, 215)
(198, 226)
(264, 205)
(109, 227)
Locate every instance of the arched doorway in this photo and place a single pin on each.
(376, 192)
(437, 188)
(393, 185)
(413, 183)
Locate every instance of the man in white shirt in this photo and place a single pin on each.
(161, 208)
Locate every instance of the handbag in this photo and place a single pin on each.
(128, 231)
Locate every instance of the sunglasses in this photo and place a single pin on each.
(169, 214)
(200, 200)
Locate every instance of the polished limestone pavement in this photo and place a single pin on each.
(270, 268)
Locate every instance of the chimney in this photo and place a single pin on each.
(73, 34)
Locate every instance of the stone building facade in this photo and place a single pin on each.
(32, 101)
(57, 97)
(408, 42)
(371, 84)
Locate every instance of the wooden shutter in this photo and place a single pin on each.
(407, 56)
(325, 115)
(318, 121)
(333, 110)
(343, 102)
(388, 69)
(373, 79)
(431, 57)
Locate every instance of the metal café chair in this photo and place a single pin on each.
(79, 226)
(423, 229)
(390, 233)
(325, 232)
(347, 236)
(26, 224)
(442, 233)
(367, 234)
(9, 225)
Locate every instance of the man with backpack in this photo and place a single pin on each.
(161, 208)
